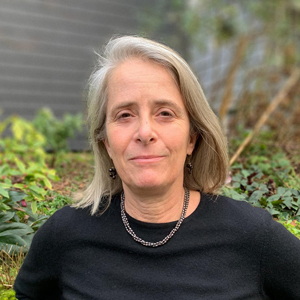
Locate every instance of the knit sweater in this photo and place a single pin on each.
(225, 249)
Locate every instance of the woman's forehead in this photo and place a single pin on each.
(138, 79)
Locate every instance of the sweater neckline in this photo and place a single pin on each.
(192, 216)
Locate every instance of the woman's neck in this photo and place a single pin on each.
(157, 207)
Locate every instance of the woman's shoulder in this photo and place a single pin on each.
(71, 215)
(234, 211)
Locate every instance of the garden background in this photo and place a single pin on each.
(245, 54)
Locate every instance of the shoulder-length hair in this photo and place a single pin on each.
(209, 158)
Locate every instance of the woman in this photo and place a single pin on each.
(149, 225)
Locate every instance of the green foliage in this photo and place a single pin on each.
(57, 132)
(23, 163)
(14, 233)
(32, 179)
(26, 142)
(7, 294)
(24, 180)
(292, 226)
(18, 223)
(262, 145)
(53, 203)
(268, 183)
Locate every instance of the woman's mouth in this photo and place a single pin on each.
(147, 158)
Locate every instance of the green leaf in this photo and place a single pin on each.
(245, 173)
(38, 192)
(273, 198)
(17, 129)
(39, 176)
(4, 192)
(255, 196)
(53, 177)
(47, 183)
(20, 165)
(16, 196)
(237, 177)
(15, 172)
(244, 182)
(277, 202)
(287, 193)
(19, 186)
(6, 216)
(250, 188)
(28, 238)
(273, 211)
(236, 196)
(4, 207)
(14, 228)
(33, 207)
(236, 185)
(281, 191)
(295, 192)
(7, 181)
(12, 240)
(288, 201)
(263, 188)
(257, 204)
(5, 185)
(237, 166)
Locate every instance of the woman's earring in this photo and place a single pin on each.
(112, 172)
(189, 166)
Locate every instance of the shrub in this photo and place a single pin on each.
(7, 294)
(268, 183)
(24, 180)
(57, 132)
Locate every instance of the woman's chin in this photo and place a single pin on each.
(146, 184)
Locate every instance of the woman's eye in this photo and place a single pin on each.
(124, 116)
(165, 114)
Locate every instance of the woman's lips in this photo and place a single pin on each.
(147, 158)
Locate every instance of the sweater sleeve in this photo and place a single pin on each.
(280, 262)
(38, 276)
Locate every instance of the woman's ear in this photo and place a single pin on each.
(106, 144)
(192, 143)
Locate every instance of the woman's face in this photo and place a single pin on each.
(147, 125)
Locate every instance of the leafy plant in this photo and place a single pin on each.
(268, 183)
(32, 179)
(23, 166)
(7, 294)
(24, 180)
(17, 222)
(52, 203)
(292, 226)
(25, 142)
(57, 132)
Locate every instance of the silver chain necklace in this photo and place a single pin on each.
(172, 232)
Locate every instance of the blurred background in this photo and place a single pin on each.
(242, 52)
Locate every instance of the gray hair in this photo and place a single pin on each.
(209, 158)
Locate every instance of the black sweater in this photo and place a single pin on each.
(225, 249)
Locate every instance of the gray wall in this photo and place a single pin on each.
(46, 51)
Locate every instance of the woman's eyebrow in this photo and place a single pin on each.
(168, 103)
(122, 105)
(162, 102)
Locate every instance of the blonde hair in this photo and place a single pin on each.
(209, 158)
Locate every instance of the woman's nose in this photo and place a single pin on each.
(146, 132)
